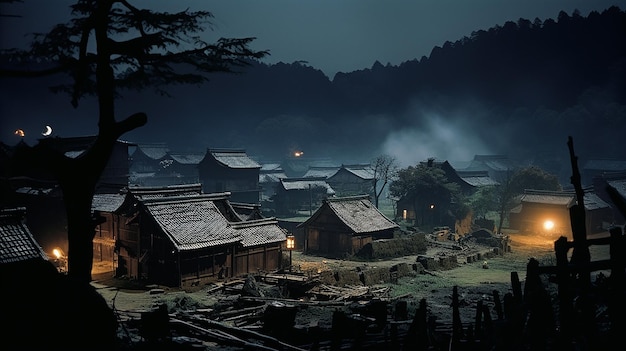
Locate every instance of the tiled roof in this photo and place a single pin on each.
(153, 151)
(619, 185)
(476, 178)
(191, 223)
(16, 241)
(594, 202)
(359, 214)
(317, 172)
(549, 198)
(304, 183)
(271, 177)
(166, 191)
(260, 232)
(187, 159)
(492, 162)
(107, 202)
(271, 167)
(196, 222)
(234, 158)
(363, 171)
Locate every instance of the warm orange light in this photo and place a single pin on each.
(291, 242)
(19, 132)
(57, 253)
(298, 153)
(548, 225)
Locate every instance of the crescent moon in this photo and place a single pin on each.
(47, 132)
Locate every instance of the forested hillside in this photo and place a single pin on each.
(517, 88)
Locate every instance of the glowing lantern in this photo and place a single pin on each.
(291, 244)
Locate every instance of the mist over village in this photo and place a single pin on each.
(162, 190)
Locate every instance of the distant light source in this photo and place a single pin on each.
(548, 225)
(298, 153)
(19, 132)
(57, 253)
(432, 206)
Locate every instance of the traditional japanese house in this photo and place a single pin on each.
(616, 181)
(269, 178)
(180, 168)
(230, 170)
(188, 240)
(295, 195)
(321, 171)
(117, 244)
(548, 213)
(177, 235)
(343, 225)
(468, 181)
(145, 164)
(596, 167)
(352, 180)
(40, 194)
(498, 167)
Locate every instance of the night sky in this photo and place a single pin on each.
(331, 35)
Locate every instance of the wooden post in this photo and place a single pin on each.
(457, 326)
(496, 299)
(617, 288)
(566, 312)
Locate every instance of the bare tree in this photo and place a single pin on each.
(109, 46)
(385, 168)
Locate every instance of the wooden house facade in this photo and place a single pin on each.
(177, 236)
(343, 225)
(539, 208)
(230, 170)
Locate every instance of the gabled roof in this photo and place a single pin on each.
(107, 202)
(191, 223)
(233, 158)
(166, 191)
(271, 167)
(548, 198)
(274, 177)
(154, 151)
(196, 222)
(363, 171)
(320, 171)
(490, 162)
(188, 158)
(356, 212)
(305, 184)
(17, 243)
(594, 202)
(260, 232)
(476, 178)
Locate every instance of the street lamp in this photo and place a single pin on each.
(291, 244)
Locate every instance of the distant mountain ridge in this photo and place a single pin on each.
(519, 88)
